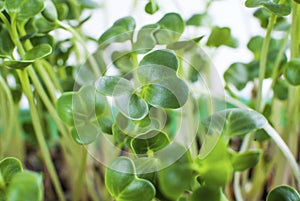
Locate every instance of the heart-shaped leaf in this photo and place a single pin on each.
(237, 74)
(120, 31)
(145, 39)
(31, 56)
(113, 86)
(161, 87)
(87, 106)
(292, 72)
(8, 168)
(132, 106)
(153, 141)
(25, 186)
(277, 9)
(24, 9)
(283, 193)
(161, 57)
(124, 185)
(234, 122)
(172, 26)
(243, 161)
(122, 60)
(221, 36)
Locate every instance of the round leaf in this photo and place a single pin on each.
(25, 186)
(24, 9)
(145, 39)
(152, 141)
(121, 31)
(151, 7)
(277, 9)
(123, 185)
(161, 57)
(113, 85)
(221, 36)
(172, 26)
(292, 72)
(8, 168)
(132, 106)
(283, 193)
(64, 108)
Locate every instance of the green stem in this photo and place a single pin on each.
(23, 76)
(285, 151)
(10, 114)
(39, 133)
(90, 57)
(263, 61)
(80, 177)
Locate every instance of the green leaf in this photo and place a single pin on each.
(206, 193)
(122, 60)
(121, 31)
(174, 180)
(132, 106)
(106, 124)
(153, 141)
(221, 36)
(283, 193)
(281, 89)
(50, 12)
(24, 9)
(161, 87)
(172, 26)
(292, 72)
(6, 46)
(237, 74)
(161, 57)
(124, 185)
(277, 9)
(113, 86)
(64, 108)
(243, 161)
(9, 166)
(145, 39)
(216, 169)
(25, 186)
(31, 56)
(151, 7)
(89, 4)
(87, 106)
(185, 45)
(199, 20)
(44, 26)
(234, 122)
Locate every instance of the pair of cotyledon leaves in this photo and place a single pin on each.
(159, 86)
(19, 185)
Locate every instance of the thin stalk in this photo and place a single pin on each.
(23, 76)
(263, 61)
(285, 151)
(39, 133)
(80, 177)
(276, 72)
(10, 115)
(90, 57)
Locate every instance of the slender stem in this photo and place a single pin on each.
(263, 61)
(90, 57)
(10, 114)
(23, 76)
(285, 151)
(80, 177)
(39, 133)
